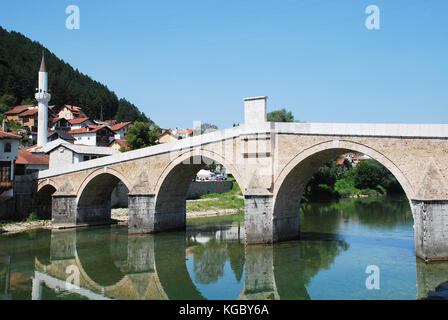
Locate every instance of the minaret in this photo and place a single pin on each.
(42, 96)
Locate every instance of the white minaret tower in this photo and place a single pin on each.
(42, 96)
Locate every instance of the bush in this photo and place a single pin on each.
(31, 217)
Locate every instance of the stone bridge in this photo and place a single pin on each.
(271, 162)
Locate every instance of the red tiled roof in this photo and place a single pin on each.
(77, 120)
(118, 126)
(186, 131)
(26, 157)
(29, 112)
(90, 129)
(110, 121)
(340, 161)
(9, 135)
(19, 109)
(121, 142)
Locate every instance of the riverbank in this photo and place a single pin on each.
(120, 215)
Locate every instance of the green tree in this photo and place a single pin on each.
(208, 127)
(141, 135)
(280, 116)
(7, 102)
(28, 101)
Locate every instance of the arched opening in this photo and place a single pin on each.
(217, 194)
(43, 201)
(96, 199)
(327, 175)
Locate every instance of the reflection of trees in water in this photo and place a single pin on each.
(295, 264)
(383, 212)
(210, 258)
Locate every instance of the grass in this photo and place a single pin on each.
(229, 200)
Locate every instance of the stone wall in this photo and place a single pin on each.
(198, 189)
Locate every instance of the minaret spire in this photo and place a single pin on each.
(43, 68)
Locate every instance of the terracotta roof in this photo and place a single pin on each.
(121, 142)
(19, 109)
(9, 135)
(186, 131)
(77, 120)
(88, 129)
(110, 121)
(29, 112)
(340, 161)
(26, 157)
(118, 126)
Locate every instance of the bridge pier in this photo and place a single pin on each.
(431, 229)
(141, 213)
(63, 211)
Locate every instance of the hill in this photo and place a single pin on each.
(19, 64)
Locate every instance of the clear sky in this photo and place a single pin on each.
(181, 61)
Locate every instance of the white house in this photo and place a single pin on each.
(120, 129)
(62, 153)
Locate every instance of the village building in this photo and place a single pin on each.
(60, 134)
(63, 154)
(79, 123)
(93, 135)
(117, 144)
(166, 137)
(71, 112)
(9, 148)
(120, 129)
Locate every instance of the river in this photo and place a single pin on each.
(339, 241)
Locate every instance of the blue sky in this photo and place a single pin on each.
(181, 61)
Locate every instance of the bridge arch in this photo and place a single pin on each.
(172, 186)
(93, 197)
(195, 156)
(294, 177)
(43, 198)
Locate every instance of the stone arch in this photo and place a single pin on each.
(47, 182)
(101, 171)
(199, 153)
(293, 178)
(93, 198)
(170, 202)
(43, 198)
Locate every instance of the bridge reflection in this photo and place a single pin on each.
(172, 265)
(154, 266)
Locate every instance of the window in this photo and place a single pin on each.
(7, 147)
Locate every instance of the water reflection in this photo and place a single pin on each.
(208, 262)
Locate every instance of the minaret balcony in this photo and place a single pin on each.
(42, 96)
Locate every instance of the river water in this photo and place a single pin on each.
(339, 241)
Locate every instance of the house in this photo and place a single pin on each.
(13, 114)
(60, 134)
(28, 163)
(26, 116)
(62, 154)
(166, 137)
(79, 123)
(183, 133)
(58, 124)
(117, 144)
(93, 135)
(9, 148)
(71, 112)
(121, 129)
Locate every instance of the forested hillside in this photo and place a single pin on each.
(19, 64)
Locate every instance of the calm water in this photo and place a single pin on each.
(208, 261)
